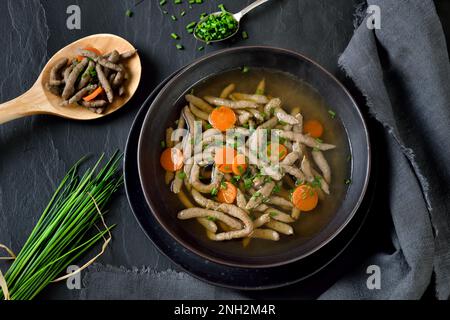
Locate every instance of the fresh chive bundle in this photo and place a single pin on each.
(62, 233)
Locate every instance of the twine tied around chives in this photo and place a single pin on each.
(3, 283)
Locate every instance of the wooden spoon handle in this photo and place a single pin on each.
(30, 103)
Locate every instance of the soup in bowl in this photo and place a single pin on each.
(252, 164)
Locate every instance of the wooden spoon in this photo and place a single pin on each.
(38, 100)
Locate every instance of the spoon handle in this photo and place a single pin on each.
(249, 8)
(31, 102)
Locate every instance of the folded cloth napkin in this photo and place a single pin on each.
(403, 70)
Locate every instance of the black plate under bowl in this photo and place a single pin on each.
(167, 106)
(219, 274)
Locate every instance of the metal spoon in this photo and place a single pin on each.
(237, 16)
(38, 100)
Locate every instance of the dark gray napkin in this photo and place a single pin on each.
(403, 70)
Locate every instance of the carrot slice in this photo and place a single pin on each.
(94, 94)
(305, 198)
(239, 165)
(171, 159)
(314, 128)
(276, 151)
(222, 118)
(224, 159)
(92, 49)
(227, 192)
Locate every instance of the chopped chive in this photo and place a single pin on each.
(190, 30)
(208, 126)
(200, 48)
(214, 191)
(273, 214)
(175, 36)
(222, 7)
(191, 2)
(332, 114)
(245, 69)
(163, 144)
(181, 175)
(182, 13)
(248, 183)
(191, 25)
(244, 35)
(348, 181)
(179, 46)
(129, 13)
(165, 12)
(211, 218)
(177, 1)
(173, 18)
(319, 140)
(162, 2)
(276, 189)
(203, 15)
(217, 27)
(223, 185)
(199, 1)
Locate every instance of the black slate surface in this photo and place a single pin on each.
(35, 152)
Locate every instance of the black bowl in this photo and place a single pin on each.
(167, 105)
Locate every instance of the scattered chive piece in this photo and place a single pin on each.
(162, 2)
(332, 114)
(245, 69)
(273, 214)
(173, 18)
(175, 36)
(177, 1)
(182, 13)
(244, 35)
(201, 48)
(214, 191)
(203, 15)
(163, 144)
(211, 218)
(348, 181)
(129, 13)
(191, 2)
(179, 46)
(198, 1)
(222, 7)
(165, 12)
(181, 175)
(191, 25)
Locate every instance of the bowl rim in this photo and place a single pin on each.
(206, 256)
